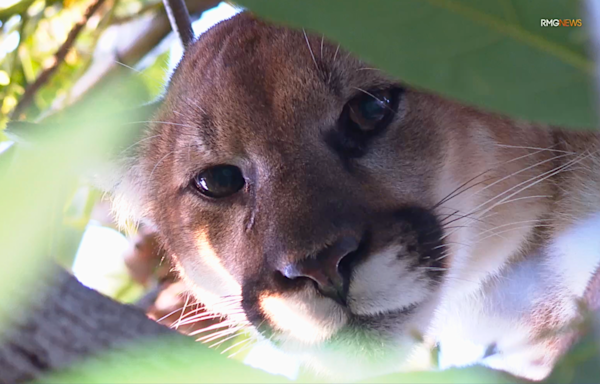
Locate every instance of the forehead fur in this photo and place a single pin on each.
(248, 75)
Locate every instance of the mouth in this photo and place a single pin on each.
(380, 287)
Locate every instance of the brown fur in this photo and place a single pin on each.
(253, 95)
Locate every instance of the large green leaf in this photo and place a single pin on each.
(492, 54)
(168, 360)
(32, 183)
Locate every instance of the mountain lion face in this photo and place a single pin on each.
(308, 195)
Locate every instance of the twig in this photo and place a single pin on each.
(180, 21)
(151, 33)
(59, 57)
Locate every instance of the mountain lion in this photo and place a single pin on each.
(356, 222)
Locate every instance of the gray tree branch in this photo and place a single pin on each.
(64, 322)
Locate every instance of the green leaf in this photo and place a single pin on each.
(492, 54)
(31, 184)
(477, 374)
(170, 360)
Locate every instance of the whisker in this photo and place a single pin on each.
(519, 199)
(532, 182)
(245, 348)
(513, 223)
(237, 344)
(169, 314)
(520, 171)
(310, 49)
(236, 334)
(373, 96)
(223, 324)
(537, 148)
(513, 229)
(185, 304)
(451, 195)
(160, 161)
(138, 142)
(197, 319)
(322, 38)
(194, 318)
(182, 309)
(161, 83)
(542, 177)
(207, 316)
(336, 52)
(459, 218)
(160, 122)
(220, 334)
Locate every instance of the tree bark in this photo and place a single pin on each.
(66, 321)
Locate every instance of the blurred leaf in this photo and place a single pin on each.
(4, 79)
(475, 375)
(582, 364)
(29, 189)
(163, 361)
(154, 75)
(492, 54)
(130, 292)
(19, 7)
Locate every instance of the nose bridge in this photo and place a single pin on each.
(304, 205)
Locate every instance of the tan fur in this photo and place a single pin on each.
(262, 98)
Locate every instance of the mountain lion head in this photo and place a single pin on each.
(313, 198)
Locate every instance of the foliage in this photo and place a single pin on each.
(492, 54)
(32, 32)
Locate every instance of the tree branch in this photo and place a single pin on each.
(150, 33)
(180, 21)
(68, 322)
(59, 57)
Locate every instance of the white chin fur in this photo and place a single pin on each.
(384, 283)
(303, 316)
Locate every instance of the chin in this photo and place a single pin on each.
(333, 343)
(356, 354)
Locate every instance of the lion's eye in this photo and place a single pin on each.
(219, 181)
(371, 110)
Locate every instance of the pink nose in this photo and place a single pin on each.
(325, 269)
